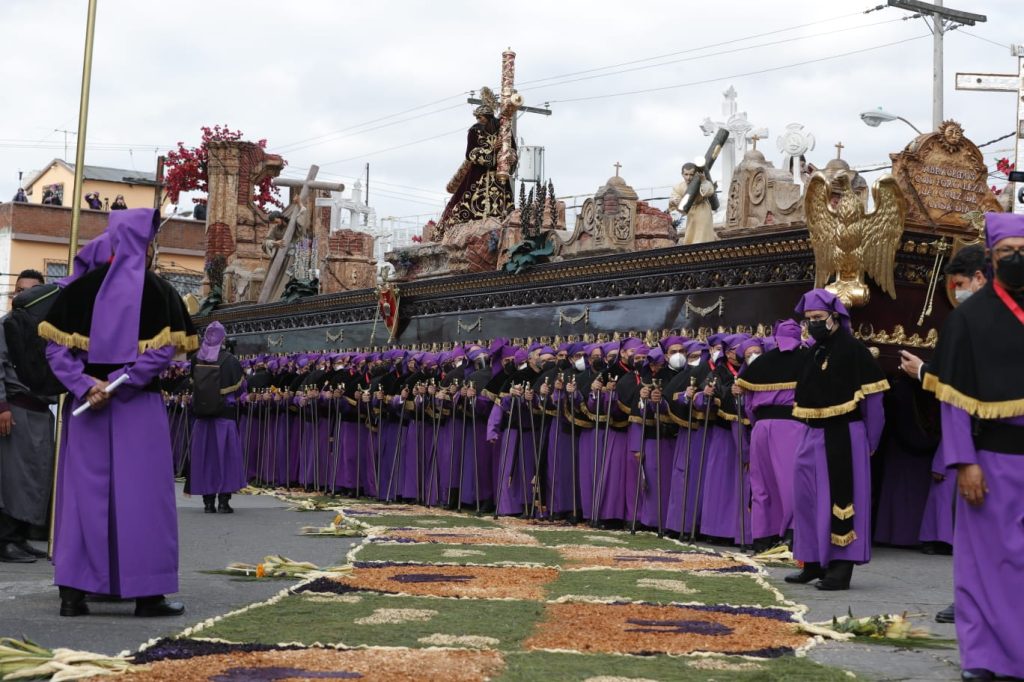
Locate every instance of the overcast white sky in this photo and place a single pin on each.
(316, 79)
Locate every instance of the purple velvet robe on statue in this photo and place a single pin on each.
(988, 553)
(116, 527)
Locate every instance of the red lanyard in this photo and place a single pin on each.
(735, 372)
(1008, 300)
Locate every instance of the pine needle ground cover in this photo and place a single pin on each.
(436, 595)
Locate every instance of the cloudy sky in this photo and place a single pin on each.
(343, 84)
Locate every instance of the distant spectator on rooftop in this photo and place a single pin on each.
(20, 196)
(93, 199)
(50, 197)
(118, 204)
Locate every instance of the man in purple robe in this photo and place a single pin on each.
(839, 394)
(115, 523)
(977, 373)
(769, 386)
(218, 385)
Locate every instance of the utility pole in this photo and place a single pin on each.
(66, 133)
(1012, 83)
(942, 20)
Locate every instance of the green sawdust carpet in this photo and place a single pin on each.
(437, 595)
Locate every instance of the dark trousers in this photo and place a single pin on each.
(12, 530)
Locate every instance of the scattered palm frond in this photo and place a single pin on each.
(779, 555)
(340, 527)
(892, 629)
(277, 566)
(26, 660)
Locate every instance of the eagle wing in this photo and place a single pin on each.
(883, 229)
(823, 226)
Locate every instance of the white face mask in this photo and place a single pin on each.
(694, 362)
(458, 363)
(677, 361)
(715, 354)
(580, 364)
(522, 366)
(752, 357)
(962, 295)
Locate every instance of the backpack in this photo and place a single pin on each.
(25, 348)
(207, 400)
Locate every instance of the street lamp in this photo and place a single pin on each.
(879, 116)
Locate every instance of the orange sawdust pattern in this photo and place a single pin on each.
(643, 628)
(366, 665)
(458, 536)
(464, 582)
(586, 556)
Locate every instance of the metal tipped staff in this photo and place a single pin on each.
(451, 450)
(359, 436)
(641, 480)
(557, 426)
(398, 446)
(502, 456)
(476, 460)
(686, 464)
(657, 458)
(700, 465)
(739, 470)
(573, 453)
(593, 464)
(521, 459)
(598, 498)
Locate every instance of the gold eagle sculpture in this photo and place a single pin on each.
(848, 241)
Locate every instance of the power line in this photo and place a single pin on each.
(460, 129)
(977, 37)
(696, 49)
(740, 75)
(785, 41)
(372, 121)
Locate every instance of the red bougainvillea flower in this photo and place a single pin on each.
(185, 169)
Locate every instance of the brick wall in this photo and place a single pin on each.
(55, 222)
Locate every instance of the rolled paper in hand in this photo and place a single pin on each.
(108, 390)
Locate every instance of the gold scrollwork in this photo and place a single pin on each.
(897, 337)
(463, 327)
(573, 319)
(274, 343)
(334, 338)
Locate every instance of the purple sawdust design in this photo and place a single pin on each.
(272, 674)
(431, 578)
(679, 627)
(760, 612)
(733, 569)
(325, 585)
(168, 649)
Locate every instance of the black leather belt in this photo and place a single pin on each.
(1001, 437)
(774, 412)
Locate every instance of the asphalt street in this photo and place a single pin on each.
(896, 581)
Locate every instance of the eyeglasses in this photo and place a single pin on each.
(1007, 251)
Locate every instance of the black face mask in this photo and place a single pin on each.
(548, 366)
(510, 368)
(378, 370)
(564, 363)
(1011, 270)
(598, 365)
(818, 330)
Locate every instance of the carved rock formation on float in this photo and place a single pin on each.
(615, 221)
(236, 227)
(349, 263)
(761, 194)
(943, 176)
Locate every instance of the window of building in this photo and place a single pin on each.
(55, 269)
(184, 282)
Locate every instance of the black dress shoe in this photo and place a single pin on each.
(12, 554)
(837, 576)
(946, 615)
(210, 504)
(154, 607)
(224, 508)
(812, 570)
(977, 674)
(26, 546)
(72, 602)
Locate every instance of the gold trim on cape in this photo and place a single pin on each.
(842, 513)
(976, 408)
(843, 540)
(842, 408)
(182, 342)
(781, 386)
